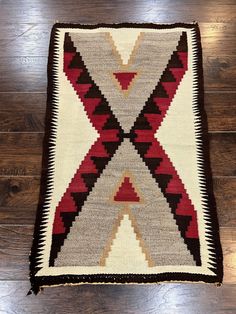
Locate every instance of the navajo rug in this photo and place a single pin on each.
(126, 193)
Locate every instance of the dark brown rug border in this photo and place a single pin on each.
(203, 146)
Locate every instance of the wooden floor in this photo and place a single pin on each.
(24, 35)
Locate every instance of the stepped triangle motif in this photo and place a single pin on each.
(126, 192)
(124, 49)
(125, 79)
(125, 236)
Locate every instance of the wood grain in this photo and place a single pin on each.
(221, 111)
(116, 299)
(20, 153)
(225, 194)
(23, 74)
(228, 240)
(20, 144)
(223, 154)
(23, 214)
(19, 192)
(18, 114)
(16, 39)
(119, 10)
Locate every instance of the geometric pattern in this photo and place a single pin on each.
(125, 79)
(127, 214)
(145, 215)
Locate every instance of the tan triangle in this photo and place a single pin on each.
(125, 49)
(125, 245)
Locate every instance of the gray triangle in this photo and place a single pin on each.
(149, 61)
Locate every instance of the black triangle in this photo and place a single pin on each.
(183, 43)
(163, 180)
(153, 163)
(142, 147)
(100, 162)
(167, 76)
(111, 147)
(68, 218)
(76, 62)
(90, 179)
(182, 222)
(102, 109)
(68, 44)
(173, 199)
(174, 61)
(194, 247)
(84, 78)
(160, 92)
(142, 123)
(79, 198)
(57, 242)
(111, 124)
(151, 107)
(93, 92)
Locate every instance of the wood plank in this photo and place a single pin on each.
(228, 241)
(219, 73)
(116, 299)
(21, 39)
(16, 241)
(24, 213)
(20, 165)
(223, 153)
(19, 199)
(221, 111)
(15, 246)
(22, 112)
(23, 74)
(116, 11)
(225, 194)
(19, 192)
(21, 152)
(218, 39)
(23, 102)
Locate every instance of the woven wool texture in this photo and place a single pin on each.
(126, 193)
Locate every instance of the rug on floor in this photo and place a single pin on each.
(126, 190)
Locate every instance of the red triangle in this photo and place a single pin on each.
(126, 192)
(58, 225)
(124, 78)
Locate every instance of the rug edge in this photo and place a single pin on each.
(203, 147)
(38, 281)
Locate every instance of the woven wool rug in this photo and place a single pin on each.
(126, 193)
